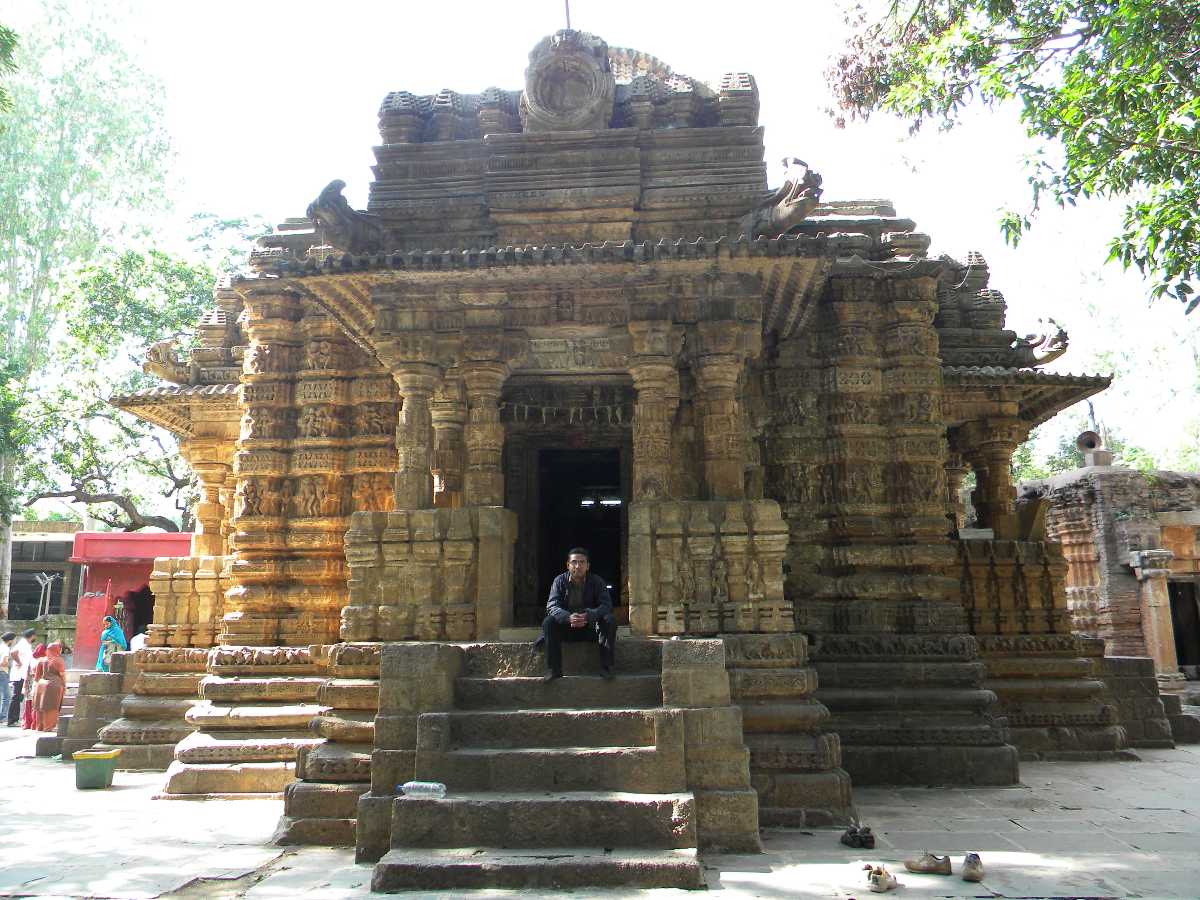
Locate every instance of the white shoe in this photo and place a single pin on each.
(880, 880)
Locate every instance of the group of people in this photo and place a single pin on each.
(33, 681)
(33, 675)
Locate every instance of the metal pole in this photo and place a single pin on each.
(567, 5)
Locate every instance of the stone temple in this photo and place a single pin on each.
(576, 314)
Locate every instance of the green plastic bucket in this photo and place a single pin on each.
(94, 768)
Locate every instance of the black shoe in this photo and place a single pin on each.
(606, 673)
(851, 837)
(550, 676)
(866, 839)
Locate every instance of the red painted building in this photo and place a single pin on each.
(117, 568)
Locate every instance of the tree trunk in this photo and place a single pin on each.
(6, 545)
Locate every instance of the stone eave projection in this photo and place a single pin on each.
(170, 406)
(1034, 396)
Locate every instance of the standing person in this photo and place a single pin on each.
(51, 675)
(6, 640)
(579, 609)
(112, 639)
(22, 658)
(27, 713)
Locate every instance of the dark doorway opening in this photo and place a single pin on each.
(1185, 618)
(137, 610)
(581, 505)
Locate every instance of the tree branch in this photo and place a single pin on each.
(135, 518)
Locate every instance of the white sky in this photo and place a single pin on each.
(268, 102)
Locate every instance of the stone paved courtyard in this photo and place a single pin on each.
(1071, 830)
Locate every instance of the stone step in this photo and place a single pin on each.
(241, 688)
(137, 707)
(1172, 704)
(334, 763)
(99, 706)
(346, 726)
(1038, 667)
(897, 699)
(145, 731)
(100, 683)
(316, 800)
(552, 728)
(608, 818)
(548, 768)
(243, 746)
(227, 779)
(808, 716)
(1027, 690)
(259, 716)
(350, 693)
(142, 757)
(1185, 727)
(492, 660)
(560, 868)
(1128, 666)
(168, 684)
(571, 692)
(314, 832)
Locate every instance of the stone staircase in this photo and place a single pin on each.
(581, 782)
(51, 744)
(1134, 689)
(257, 706)
(97, 703)
(161, 685)
(320, 807)
(1184, 719)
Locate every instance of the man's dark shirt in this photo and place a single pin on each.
(594, 599)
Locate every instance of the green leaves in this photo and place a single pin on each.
(8, 47)
(1113, 83)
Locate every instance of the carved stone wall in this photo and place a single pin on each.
(706, 567)
(431, 574)
(189, 595)
(857, 459)
(317, 442)
(1015, 587)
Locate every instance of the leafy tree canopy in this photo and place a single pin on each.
(8, 47)
(1113, 85)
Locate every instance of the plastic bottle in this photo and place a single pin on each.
(425, 790)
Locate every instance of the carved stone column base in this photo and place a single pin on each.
(795, 761)
(910, 709)
(1056, 706)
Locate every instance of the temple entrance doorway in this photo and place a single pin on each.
(1185, 617)
(581, 506)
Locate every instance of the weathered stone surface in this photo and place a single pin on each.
(189, 779)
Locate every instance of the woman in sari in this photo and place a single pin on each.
(51, 676)
(27, 712)
(112, 639)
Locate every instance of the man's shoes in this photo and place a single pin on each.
(972, 868)
(538, 644)
(928, 864)
(550, 676)
(859, 837)
(606, 673)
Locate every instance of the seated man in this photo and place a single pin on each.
(579, 609)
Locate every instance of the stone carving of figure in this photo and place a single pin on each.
(342, 227)
(330, 500)
(720, 579)
(687, 581)
(250, 499)
(307, 504)
(787, 207)
(372, 419)
(321, 355)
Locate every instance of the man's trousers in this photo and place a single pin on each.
(603, 632)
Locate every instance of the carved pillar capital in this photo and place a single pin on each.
(988, 445)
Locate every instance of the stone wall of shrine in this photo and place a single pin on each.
(317, 442)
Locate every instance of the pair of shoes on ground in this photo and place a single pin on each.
(859, 836)
(930, 864)
(605, 672)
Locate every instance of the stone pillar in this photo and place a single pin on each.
(449, 414)
(256, 602)
(414, 437)
(956, 471)
(1151, 568)
(656, 382)
(484, 379)
(718, 367)
(210, 513)
(989, 447)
